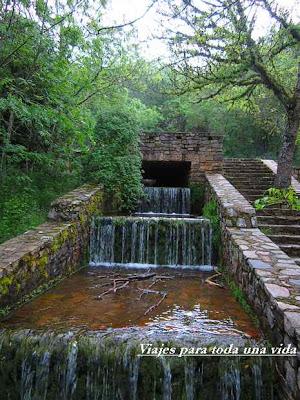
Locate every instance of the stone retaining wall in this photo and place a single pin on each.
(296, 173)
(234, 209)
(52, 250)
(272, 165)
(269, 278)
(205, 152)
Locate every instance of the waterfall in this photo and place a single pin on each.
(144, 242)
(93, 367)
(163, 200)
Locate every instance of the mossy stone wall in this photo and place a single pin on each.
(35, 260)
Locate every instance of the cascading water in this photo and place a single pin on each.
(156, 240)
(162, 200)
(72, 367)
(95, 351)
(151, 242)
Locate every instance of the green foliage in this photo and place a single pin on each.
(240, 296)
(114, 158)
(197, 198)
(26, 197)
(283, 197)
(59, 78)
(210, 211)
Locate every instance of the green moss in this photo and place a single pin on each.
(197, 198)
(63, 236)
(5, 284)
(93, 208)
(240, 296)
(41, 263)
(210, 211)
(4, 311)
(119, 221)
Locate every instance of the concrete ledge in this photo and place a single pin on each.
(50, 251)
(234, 209)
(271, 281)
(272, 165)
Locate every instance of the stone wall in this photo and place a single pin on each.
(296, 173)
(272, 165)
(269, 278)
(203, 151)
(234, 209)
(41, 256)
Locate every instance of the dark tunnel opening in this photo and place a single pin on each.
(166, 173)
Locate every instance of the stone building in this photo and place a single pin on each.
(180, 158)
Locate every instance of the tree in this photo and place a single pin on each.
(218, 54)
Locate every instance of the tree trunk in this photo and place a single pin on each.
(285, 160)
(6, 142)
(286, 155)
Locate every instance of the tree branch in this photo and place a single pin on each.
(120, 26)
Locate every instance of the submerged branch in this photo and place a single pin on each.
(113, 289)
(164, 295)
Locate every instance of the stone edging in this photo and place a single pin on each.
(269, 278)
(75, 205)
(235, 210)
(51, 250)
(272, 165)
(271, 281)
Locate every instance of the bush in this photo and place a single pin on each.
(26, 197)
(210, 211)
(283, 197)
(115, 159)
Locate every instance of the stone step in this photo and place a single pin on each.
(245, 165)
(244, 188)
(247, 185)
(278, 220)
(297, 260)
(275, 210)
(252, 192)
(242, 161)
(246, 179)
(253, 185)
(246, 174)
(251, 198)
(280, 229)
(285, 239)
(246, 169)
(292, 250)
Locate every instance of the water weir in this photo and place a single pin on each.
(82, 339)
(66, 367)
(161, 200)
(156, 237)
(150, 242)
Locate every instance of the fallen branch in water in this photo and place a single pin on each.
(131, 278)
(149, 291)
(135, 277)
(103, 285)
(113, 289)
(164, 277)
(147, 288)
(209, 280)
(164, 295)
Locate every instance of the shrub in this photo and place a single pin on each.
(115, 159)
(284, 197)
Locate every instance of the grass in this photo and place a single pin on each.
(240, 296)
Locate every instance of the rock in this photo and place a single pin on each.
(258, 264)
(277, 291)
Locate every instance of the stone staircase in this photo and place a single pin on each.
(252, 178)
